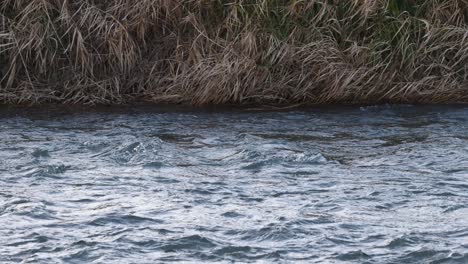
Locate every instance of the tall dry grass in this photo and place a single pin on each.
(233, 51)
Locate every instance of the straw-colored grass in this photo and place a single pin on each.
(233, 51)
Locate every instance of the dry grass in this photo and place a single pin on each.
(233, 51)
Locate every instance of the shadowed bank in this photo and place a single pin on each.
(233, 51)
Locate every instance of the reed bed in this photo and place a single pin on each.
(233, 51)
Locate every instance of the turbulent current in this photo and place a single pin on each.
(385, 184)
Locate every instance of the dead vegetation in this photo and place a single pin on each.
(233, 51)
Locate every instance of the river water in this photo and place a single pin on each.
(386, 184)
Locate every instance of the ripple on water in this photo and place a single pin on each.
(402, 242)
(193, 242)
(40, 153)
(126, 220)
(47, 171)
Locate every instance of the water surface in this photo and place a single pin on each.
(385, 184)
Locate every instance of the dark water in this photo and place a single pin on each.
(350, 185)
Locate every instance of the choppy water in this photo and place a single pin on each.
(350, 185)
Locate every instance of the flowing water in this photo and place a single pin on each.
(385, 184)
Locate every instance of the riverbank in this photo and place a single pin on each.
(279, 52)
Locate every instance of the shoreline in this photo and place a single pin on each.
(145, 107)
